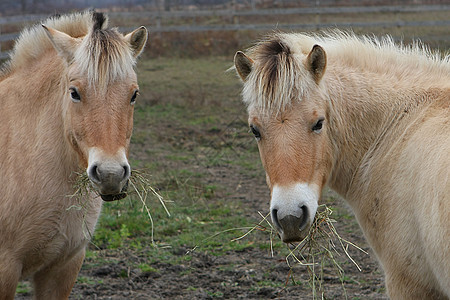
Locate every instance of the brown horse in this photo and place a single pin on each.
(370, 119)
(66, 105)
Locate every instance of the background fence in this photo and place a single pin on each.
(232, 19)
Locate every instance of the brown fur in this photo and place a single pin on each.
(384, 145)
(45, 138)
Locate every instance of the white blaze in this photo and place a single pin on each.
(288, 199)
(96, 156)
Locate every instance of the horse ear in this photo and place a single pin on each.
(317, 62)
(137, 40)
(62, 42)
(243, 64)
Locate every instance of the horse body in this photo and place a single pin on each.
(371, 120)
(398, 188)
(403, 210)
(48, 136)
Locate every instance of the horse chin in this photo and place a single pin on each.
(109, 198)
(113, 197)
(294, 239)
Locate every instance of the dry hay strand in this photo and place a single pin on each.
(142, 188)
(139, 185)
(319, 249)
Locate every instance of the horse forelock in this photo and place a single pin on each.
(272, 56)
(275, 81)
(279, 75)
(104, 56)
(100, 21)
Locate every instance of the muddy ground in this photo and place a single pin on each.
(237, 274)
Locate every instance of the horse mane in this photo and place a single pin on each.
(280, 75)
(103, 54)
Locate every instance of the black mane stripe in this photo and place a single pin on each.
(99, 19)
(273, 54)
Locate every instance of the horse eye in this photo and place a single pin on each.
(255, 132)
(318, 126)
(74, 94)
(133, 98)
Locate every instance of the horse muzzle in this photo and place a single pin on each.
(110, 178)
(292, 227)
(293, 209)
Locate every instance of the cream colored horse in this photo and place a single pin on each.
(66, 105)
(371, 120)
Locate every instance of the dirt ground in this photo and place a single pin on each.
(235, 275)
(238, 274)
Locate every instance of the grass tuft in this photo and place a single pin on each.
(318, 250)
(139, 185)
(142, 187)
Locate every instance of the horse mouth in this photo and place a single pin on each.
(109, 198)
(113, 197)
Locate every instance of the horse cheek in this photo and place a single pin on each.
(75, 138)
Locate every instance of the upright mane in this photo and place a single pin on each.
(279, 74)
(103, 54)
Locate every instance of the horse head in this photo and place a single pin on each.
(99, 91)
(288, 118)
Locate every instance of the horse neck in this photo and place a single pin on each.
(364, 108)
(35, 98)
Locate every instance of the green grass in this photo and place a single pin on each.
(86, 280)
(217, 294)
(146, 268)
(193, 222)
(23, 288)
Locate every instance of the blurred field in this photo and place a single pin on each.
(199, 33)
(225, 42)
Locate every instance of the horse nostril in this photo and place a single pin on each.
(275, 220)
(126, 172)
(291, 225)
(94, 174)
(304, 218)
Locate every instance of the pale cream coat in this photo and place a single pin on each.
(47, 136)
(383, 143)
